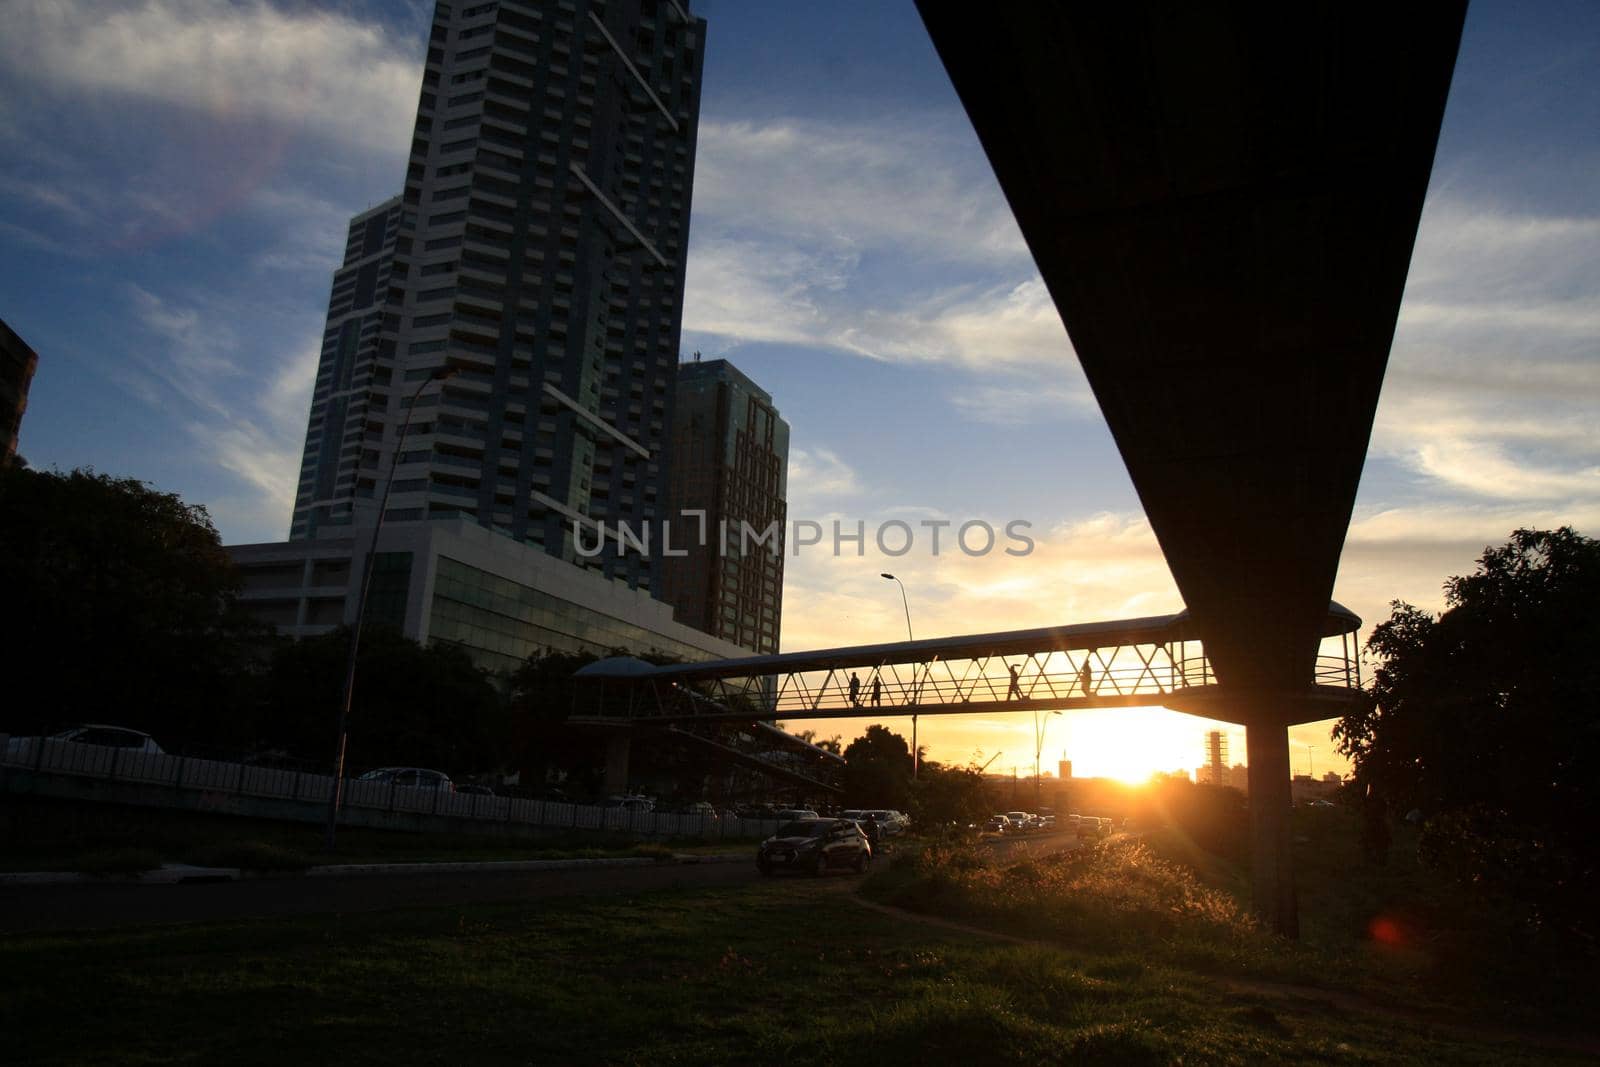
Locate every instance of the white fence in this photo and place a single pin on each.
(50, 757)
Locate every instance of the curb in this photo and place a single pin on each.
(181, 873)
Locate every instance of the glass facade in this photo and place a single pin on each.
(500, 623)
(386, 596)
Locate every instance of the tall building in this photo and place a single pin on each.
(17, 364)
(538, 250)
(349, 403)
(729, 479)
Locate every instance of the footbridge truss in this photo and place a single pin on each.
(1127, 663)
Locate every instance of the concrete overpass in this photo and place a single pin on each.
(1222, 199)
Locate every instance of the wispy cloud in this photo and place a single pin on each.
(352, 81)
(916, 184)
(1496, 362)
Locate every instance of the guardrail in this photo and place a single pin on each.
(186, 775)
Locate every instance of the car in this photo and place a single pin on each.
(794, 814)
(475, 790)
(1018, 819)
(411, 778)
(815, 846)
(122, 737)
(997, 824)
(1047, 822)
(890, 822)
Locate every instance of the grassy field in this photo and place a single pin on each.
(47, 835)
(1394, 934)
(785, 971)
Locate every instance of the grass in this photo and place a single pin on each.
(49, 835)
(1396, 934)
(783, 971)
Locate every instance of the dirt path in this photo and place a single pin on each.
(1301, 998)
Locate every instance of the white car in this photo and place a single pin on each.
(411, 778)
(88, 734)
(795, 815)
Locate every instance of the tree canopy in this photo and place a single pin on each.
(1486, 718)
(413, 705)
(127, 608)
(878, 770)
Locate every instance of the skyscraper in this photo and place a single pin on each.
(537, 252)
(538, 249)
(730, 468)
(349, 403)
(17, 364)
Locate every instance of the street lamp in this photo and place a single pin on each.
(907, 605)
(1039, 727)
(439, 375)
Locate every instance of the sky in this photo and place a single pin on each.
(176, 177)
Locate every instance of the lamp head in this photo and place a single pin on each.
(891, 577)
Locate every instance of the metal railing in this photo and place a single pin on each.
(50, 757)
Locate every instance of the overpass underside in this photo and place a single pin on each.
(1222, 200)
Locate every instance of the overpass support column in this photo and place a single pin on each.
(1272, 865)
(618, 747)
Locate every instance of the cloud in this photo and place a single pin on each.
(1496, 361)
(818, 474)
(891, 241)
(918, 184)
(350, 81)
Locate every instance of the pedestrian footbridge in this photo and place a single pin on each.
(1126, 663)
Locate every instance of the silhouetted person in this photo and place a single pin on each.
(1015, 692)
(1086, 678)
(855, 689)
(877, 690)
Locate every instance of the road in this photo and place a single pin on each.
(101, 906)
(105, 905)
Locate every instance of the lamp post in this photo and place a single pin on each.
(334, 799)
(915, 761)
(1039, 727)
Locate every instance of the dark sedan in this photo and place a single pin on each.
(815, 846)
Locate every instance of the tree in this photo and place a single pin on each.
(1486, 719)
(413, 705)
(942, 795)
(878, 770)
(124, 607)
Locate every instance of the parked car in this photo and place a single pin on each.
(122, 737)
(411, 778)
(815, 846)
(795, 814)
(890, 822)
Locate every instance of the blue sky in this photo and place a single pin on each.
(176, 176)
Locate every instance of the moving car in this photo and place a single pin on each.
(815, 846)
(998, 824)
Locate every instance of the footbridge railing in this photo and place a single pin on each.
(1126, 663)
